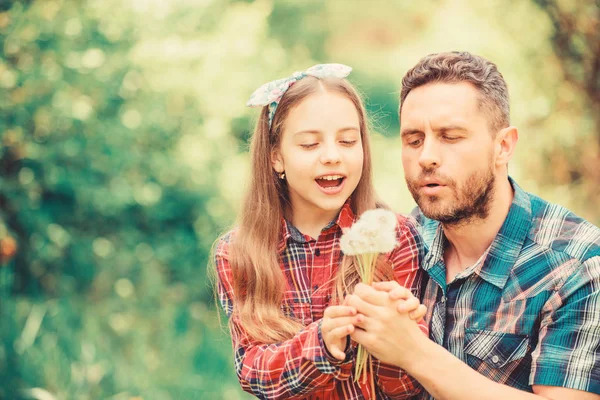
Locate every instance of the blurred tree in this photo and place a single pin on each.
(575, 39)
(86, 172)
(107, 222)
(124, 145)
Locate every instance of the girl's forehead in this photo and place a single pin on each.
(322, 111)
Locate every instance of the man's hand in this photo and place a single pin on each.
(338, 323)
(391, 337)
(407, 302)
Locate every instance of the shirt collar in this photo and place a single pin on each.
(502, 253)
(505, 249)
(344, 219)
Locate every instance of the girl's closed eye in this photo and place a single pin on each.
(308, 145)
(349, 142)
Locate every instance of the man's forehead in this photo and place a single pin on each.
(441, 92)
(440, 101)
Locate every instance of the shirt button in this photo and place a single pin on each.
(317, 252)
(495, 359)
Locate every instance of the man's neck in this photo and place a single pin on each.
(468, 242)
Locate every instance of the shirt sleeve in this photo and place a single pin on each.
(405, 260)
(568, 349)
(288, 370)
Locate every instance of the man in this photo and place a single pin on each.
(512, 283)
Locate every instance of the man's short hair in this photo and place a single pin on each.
(455, 67)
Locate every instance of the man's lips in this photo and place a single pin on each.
(431, 187)
(431, 182)
(431, 190)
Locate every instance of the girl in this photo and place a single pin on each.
(277, 272)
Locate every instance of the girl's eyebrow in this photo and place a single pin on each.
(316, 131)
(313, 131)
(349, 128)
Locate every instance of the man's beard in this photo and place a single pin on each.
(471, 201)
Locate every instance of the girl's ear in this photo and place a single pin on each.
(277, 161)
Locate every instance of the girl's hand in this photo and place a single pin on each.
(407, 302)
(338, 322)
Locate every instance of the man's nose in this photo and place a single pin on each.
(430, 154)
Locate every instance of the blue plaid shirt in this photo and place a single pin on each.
(528, 313)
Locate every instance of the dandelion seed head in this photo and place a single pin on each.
(374, 232)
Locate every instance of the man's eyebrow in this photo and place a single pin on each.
(451, 128)
(406, 132)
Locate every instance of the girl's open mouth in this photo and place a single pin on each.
(330, 181)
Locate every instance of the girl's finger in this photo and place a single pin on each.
(370, 295)
(361, 321)
(339, 311)
(335, 336)
(400, 293)
(341, 331)
(330, 324)
(338, 354)
(418, 314)
(386, 286)
(408, 305)
(360, 305)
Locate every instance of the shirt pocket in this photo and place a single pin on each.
(499, 356)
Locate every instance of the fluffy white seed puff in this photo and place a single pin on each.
(374, 232)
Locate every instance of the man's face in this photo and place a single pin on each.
(448, 152)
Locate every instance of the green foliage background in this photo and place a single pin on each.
(124, 138)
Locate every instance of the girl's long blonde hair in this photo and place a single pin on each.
(258, 280)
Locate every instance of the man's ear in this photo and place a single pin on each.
(277, 161)
(506, 142)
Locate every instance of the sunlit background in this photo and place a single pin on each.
(124, 155)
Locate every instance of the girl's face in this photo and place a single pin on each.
(321, 154)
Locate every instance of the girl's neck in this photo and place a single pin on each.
(311, 223)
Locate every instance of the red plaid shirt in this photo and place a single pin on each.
(301, 367)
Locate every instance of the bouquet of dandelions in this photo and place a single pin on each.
(374, 233)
